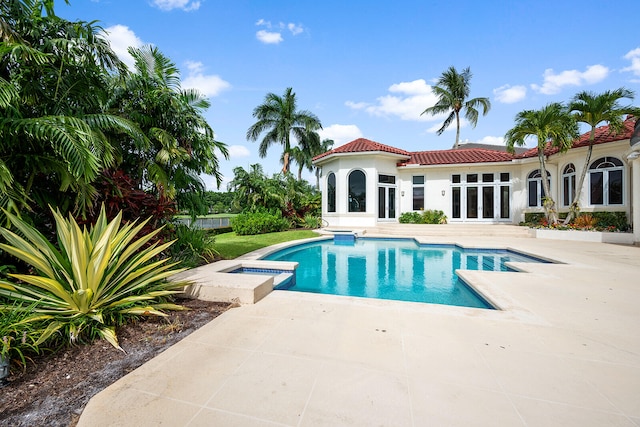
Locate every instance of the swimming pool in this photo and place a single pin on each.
(397, 269)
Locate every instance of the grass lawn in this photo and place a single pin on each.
(230, 246)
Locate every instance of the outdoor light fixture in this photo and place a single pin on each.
(402, 193)
(442, 193)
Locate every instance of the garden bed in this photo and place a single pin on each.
(583, 236)
(57, 386)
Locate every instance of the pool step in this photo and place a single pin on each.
(453, 230)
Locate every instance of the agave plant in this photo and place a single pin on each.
(93, 280)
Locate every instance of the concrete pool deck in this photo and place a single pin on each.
(564, 351)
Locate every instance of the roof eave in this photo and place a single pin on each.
(360, 153)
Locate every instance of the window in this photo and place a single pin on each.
(418, 192)
(386, 179)
(536, 190)
(605, 181)
(568, 184)
(357, 191)
(331, 192)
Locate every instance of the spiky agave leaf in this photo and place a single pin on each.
(97, 275)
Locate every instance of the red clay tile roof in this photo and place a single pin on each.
(464, 155)
(602, 136)
(361, 145)
(475, 155)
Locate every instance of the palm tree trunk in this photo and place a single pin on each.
(455, 146)
(317, 178)
(548, 203)
(285, 163)
(575, 203)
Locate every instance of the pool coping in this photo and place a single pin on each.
(215, 282)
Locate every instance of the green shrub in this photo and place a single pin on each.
(93, 281)
(193, 246)
(311, 222)
(431, 216)
(250, 223)
(533, 217)
(410, 218)
(615, 220)
(18, 338)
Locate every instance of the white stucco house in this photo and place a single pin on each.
(365, 183)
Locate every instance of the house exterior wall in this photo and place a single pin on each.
(438, 185)
(372, 166)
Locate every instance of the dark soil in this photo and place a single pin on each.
(56, 386)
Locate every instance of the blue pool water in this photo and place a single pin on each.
(397, 269)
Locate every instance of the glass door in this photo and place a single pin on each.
(386, 202)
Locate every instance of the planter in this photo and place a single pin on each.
(583, 236)
(4, 369)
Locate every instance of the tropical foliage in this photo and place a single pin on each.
(92, 280)
(72, 113)
(452, 90)
(17, 337)
(551, 126)
(278, 120)
(593, 110)
(192, 246)
(429, 216)
(179, 143)
(292, 199)
(259, 222)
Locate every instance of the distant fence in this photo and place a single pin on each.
(206, 223)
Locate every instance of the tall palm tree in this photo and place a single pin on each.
(180, 143)
(552, 126)
(593, 109)
(279, 119)
(452, 90)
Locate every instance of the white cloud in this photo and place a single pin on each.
(238, 151)
(553, 83)
(295, 29)
(634, 57)
(208, 85)
(121, 38)
(406, 101)
(269, 37)
(341, 134)
(508, 94)
(186, 5)
(273, 33)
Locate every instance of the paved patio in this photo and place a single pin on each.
(565, 351)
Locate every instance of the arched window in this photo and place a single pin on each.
(605, 181)
(568, 184)
(536, 190)
(357, 191)
(331, 192)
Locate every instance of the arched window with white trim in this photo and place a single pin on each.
(606, 182)
(357, 191)
(535, 188)
(568, 184)
(331, 192)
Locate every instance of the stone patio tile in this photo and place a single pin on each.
(348, 394)
(544, 377)
(192, 376)
(268, 387)
(541, 413)
(437, 403)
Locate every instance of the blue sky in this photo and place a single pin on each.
(365, 68)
